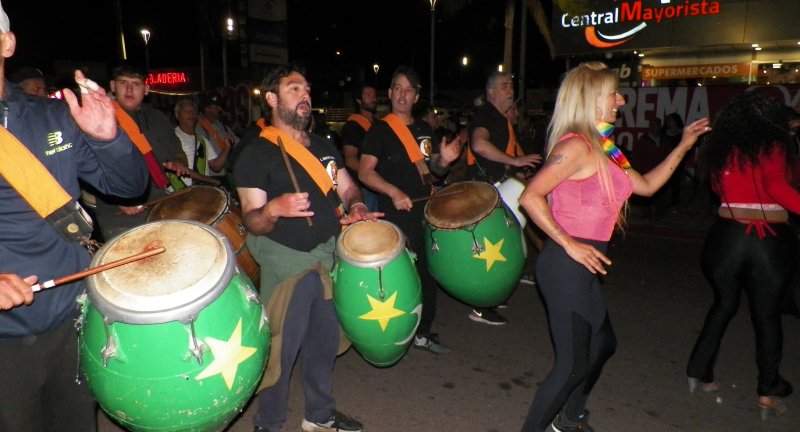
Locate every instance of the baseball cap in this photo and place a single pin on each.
(25, 72)
(208, 100)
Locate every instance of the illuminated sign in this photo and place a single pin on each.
(633, 12)
(726, 70)
(173, 80)
(590, 26)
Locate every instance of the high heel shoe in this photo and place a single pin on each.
(695, 384)
(770, 406)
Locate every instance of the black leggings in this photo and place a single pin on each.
(581, 332)
(734, 260)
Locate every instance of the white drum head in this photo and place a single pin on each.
(172, 286)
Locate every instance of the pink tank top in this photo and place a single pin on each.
(581, 209)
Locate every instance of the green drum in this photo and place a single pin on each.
(177, 341)
(376, 291)
(474, 244)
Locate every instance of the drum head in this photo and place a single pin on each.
(370, 244)
(476, 201)
(198, 203)
(171, 286)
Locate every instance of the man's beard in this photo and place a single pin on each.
(293, 118)
(372, 109)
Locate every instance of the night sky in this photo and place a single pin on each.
(387, 32)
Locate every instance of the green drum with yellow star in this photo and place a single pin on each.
(376, 291)
(473, 242)
(177, 341)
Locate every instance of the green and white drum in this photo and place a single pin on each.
(474, 244)
(177, 341)
(377, 292)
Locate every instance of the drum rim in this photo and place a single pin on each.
(223, 211)
(341, 255)
(492, 209)
(184, 313)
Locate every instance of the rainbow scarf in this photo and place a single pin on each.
(611, 150)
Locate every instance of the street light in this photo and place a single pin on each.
(146, 36)
(433, 20)
(228, 34)
(464, 64)
(376, 67)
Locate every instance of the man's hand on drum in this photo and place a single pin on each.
(179, 168)
(401, 201)
(290, 205)
(129, 211)
(15, 291)
(359, 212)
(527, 161)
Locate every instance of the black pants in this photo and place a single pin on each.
(735, 261)
(582, 335)
(39, 391)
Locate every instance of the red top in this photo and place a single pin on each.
(765, 183)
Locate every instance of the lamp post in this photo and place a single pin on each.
(433, 20)
(228, 34)
(464, 64)
(146, 36)
(376, 67)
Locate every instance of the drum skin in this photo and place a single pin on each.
(213, 206)
(173, 342)
(474, 244)
(377, 292)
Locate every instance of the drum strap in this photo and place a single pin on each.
(32, 180)
(361, 120)
(130, 127)
(212, 132)
(410, 144)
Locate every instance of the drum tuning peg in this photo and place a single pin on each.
(434, 246)
(110, 350)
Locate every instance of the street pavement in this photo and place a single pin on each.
(657, 300)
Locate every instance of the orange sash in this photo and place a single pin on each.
(512, 148)
(361, 120)
(410, 144)
(212, 132)
(28, 176)
(261, 123)
(300, 153)
(140, 141)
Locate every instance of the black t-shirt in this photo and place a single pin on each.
(395, 167)
(353, 135)
(260, 165)
(496, 123)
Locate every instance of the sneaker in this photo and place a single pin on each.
(487, 316)
(527, 279)
(431, 343)
(561, 424)
(335, 423)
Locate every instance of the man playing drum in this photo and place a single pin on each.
(46, 139)
(494, 152)
(293, 238)
(397, 162)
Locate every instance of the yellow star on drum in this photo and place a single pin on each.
(382, 312)
(227, 356)
(491, 253)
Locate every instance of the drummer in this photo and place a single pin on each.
(398, 163)
(495, 153)
(293, 236)
(38, 343)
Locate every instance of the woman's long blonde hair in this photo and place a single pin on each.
(576, 111)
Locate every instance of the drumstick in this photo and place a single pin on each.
(291, 173)
(88, 272)
(438, 195)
